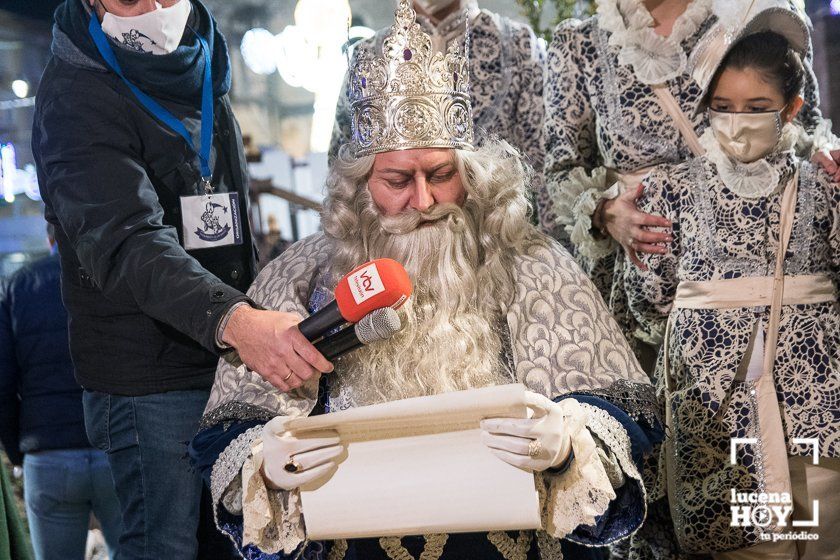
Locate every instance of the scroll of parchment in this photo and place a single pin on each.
(418, 466)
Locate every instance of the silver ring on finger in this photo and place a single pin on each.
(288, 376)
(534, 449)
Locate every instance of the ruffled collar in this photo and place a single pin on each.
(654, 59)
(759, 178)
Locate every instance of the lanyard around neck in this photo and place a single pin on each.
(161, 113)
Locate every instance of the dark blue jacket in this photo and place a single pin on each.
(143, 310)
(40, 401)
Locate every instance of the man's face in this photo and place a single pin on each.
(415, 179)
(128, 8)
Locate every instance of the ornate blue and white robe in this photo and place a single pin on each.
(562, 343)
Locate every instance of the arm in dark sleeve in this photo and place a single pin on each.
(627, 511)
(9, 380)
(95, 180)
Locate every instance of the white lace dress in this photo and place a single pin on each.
(726, 219)
(603, 118)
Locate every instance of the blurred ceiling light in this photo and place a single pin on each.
(20, 88)
(257, 49)
(296, 58)
(835, 7)
(309, 55)
(325, 21)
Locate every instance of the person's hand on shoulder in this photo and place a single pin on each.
(829, 162)
(631, 228)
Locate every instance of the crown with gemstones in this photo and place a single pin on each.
(409, 96)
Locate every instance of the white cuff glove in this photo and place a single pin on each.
(289, 462)
(532, 444)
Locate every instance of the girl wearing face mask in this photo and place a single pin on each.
(749, 289)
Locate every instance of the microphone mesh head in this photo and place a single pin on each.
(378, 325)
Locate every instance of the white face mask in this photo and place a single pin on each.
(432, 7)
(747, 137)
(157, 32)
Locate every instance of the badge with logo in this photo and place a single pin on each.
(365, 283)
(211, 220)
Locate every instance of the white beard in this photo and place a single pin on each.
(450, 340)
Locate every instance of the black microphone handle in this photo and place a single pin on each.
(339, 344)
(323, 320)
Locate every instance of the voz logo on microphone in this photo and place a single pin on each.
(365, 283)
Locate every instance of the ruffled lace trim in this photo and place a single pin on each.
(655, 59)
(749, 180)
(575, 200)
(272, 519)
(583, 492)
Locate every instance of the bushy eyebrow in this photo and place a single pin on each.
(410, 174)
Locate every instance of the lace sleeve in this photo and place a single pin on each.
(530, 109)
(602, 463)
(582, 492)
(572, 186)
(650, 292)
(272, 519)
(820, 139)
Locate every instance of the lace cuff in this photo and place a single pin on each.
(575, 200)
(584, 491)
(272, 519)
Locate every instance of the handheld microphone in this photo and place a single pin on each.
(377, 325)
(373, 285)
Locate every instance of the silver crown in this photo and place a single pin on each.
(410, 96)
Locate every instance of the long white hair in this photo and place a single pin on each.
(460, 262)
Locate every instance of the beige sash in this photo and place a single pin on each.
(774, 291)
(753, 292)
(669, 105)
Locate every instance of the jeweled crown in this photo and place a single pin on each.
(410, 96)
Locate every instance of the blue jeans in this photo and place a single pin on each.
(62, 488)
(146, 441)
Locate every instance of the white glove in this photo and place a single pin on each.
(289, 462)
(532, 444)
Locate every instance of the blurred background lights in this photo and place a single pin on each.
(257, 50)
(20, 88)
(309, 54)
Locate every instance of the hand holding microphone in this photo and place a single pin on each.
(279, 346)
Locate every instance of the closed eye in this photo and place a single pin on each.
(442, 177)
